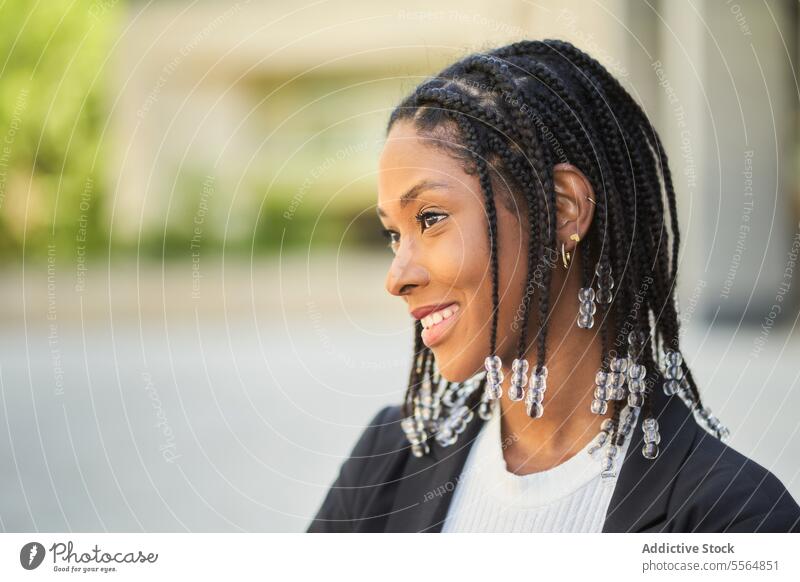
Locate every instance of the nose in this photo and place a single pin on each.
(405, 272)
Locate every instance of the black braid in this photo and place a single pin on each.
(501, 74)
(476, 149)
(510, 115)
(416, 369)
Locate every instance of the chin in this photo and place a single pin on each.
(456, 369)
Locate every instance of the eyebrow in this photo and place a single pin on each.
(414, 192)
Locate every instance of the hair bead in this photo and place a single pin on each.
(631, 160)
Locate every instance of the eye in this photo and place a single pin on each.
(428, 219)
(392, 238)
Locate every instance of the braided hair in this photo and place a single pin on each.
(509, 115)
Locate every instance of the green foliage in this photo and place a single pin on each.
(306, 226)
(54, 108)
(52, 115)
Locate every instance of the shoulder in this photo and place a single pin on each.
(362, 492)
(718, 489)
(380, 439)
(383, 433)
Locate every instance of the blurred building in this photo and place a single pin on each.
(137, 399)
(249, 113)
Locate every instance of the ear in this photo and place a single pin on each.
(574, 210)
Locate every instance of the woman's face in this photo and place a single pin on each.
(438, 228)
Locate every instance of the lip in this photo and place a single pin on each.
(436, 334)
(421, 312)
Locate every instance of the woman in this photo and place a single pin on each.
(530, 209)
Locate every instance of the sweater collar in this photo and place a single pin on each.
(639, 500)
(516, 492)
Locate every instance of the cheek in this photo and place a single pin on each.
(462, 262)
(466, 277)
(465, 263)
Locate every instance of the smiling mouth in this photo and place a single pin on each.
(437, 323)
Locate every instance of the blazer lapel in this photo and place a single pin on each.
(639, 501)
(428, 482)
(642, 492)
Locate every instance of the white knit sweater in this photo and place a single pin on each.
(571, 497)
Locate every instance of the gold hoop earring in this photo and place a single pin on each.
(565, 259)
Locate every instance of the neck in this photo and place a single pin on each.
(567, 425)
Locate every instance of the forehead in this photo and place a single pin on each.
(407, 158)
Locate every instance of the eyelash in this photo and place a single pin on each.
(420, 218)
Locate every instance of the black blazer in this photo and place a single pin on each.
(696, 484)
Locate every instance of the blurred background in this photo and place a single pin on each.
(194, 324)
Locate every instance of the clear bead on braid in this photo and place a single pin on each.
(677, 384)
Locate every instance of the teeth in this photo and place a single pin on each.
(439, 316)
